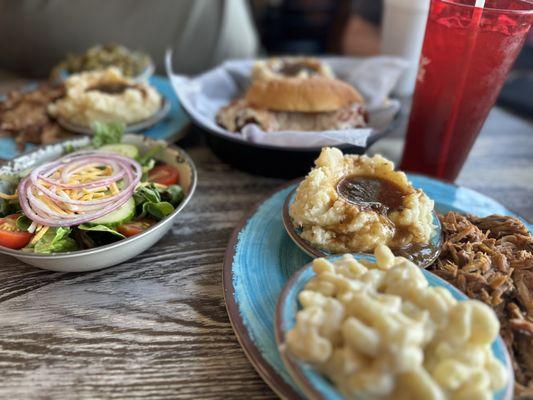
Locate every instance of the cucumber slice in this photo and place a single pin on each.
(122, 214)
(127, 150)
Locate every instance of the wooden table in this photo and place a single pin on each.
(156, 327)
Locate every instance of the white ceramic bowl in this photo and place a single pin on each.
(114, 253)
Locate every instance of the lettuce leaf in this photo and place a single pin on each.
(158, 210)
(8, 207)
(9, 186)
(173, 194)
(89, 237)
(23, 222)
(107, 133)
(101, 228)
(146, 194)
(157, 202)
(148, 157)
(55, 240)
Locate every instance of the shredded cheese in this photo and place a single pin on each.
(51, 204)
(38, 236)
(114, 188)
(9, 196)
(87, 197)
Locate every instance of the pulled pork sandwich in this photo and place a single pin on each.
(295, 95)
(491, 259)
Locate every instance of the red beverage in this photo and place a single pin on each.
(466, 56)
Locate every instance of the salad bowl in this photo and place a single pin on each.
(118, 251)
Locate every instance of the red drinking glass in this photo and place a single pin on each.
(466, 56)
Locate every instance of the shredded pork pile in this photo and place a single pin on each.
(23, 115)
(491, 259)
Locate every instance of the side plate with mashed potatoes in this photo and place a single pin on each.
(135, 127)
(260, 259)
(424, 255)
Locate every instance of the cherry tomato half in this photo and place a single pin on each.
(10, 235)
(135, 227)
(164, 174)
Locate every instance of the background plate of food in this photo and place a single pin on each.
(486, 253)
(89, 203)
(136, 65)
(108, 96)
(286, 109)
(26, 122)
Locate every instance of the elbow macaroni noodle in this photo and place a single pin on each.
(379, 331)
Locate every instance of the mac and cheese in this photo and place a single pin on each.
(379, 331)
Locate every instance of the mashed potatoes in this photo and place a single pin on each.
(105, 96)
(353, 203)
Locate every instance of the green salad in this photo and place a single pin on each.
(89, 197)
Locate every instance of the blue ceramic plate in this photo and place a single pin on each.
(314, 384)
(426, 256)
(261, 257)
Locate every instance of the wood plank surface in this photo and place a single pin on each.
(156, 326)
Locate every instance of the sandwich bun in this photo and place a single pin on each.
(316, 94)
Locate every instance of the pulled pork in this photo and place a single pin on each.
(236, 115)
(491, 259)
(23, 115)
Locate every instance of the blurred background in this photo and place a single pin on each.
(36, 34)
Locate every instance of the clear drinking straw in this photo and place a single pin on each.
(450, 126)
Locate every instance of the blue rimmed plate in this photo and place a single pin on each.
(315, 385)
(171, 128)
(261, 257)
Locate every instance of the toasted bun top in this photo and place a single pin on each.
(317, 94)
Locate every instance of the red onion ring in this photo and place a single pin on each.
(123, 168)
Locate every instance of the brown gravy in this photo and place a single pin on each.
(111, 88)
(382, 196)
(294, 68)
(116, 88)
(371, 193)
